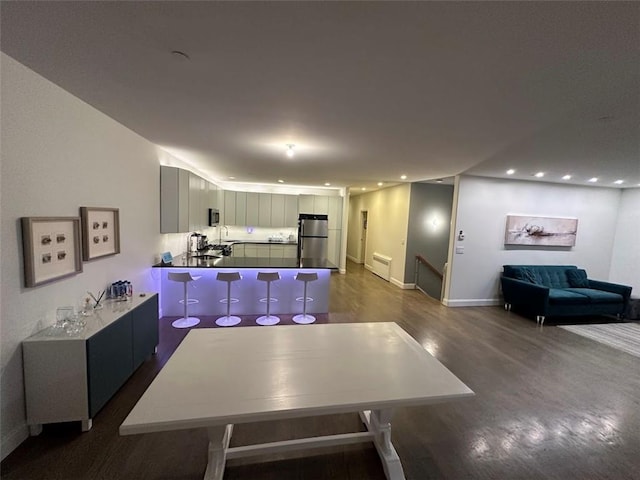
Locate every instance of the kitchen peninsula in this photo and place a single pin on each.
(208, 291)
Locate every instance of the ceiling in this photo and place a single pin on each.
(367, 91)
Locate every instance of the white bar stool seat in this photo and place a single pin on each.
(228, 320)
(268, 319)
(185, 278)
(305, 318)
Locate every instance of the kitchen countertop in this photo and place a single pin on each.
(257, 242)
(211, 261)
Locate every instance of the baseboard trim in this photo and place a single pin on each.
(13, 440)
(353, 259)
(472, 302)
(403, 286)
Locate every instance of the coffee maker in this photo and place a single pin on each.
(197, 243)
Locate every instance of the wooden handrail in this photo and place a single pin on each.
(421, 259)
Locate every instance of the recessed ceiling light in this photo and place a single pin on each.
(440, 180)
(539, 175)
(280, 180)
(593, 180)
(232, 178)
(403, 177)
(327, 184)
(380, 184)
(619, 182)
(511, 171)
(363, 188)
(567, 177)
(290, 150)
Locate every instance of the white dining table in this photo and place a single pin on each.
(220, 377)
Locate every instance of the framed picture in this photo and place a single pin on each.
(100, 232)
(51, 248)
(541, 231)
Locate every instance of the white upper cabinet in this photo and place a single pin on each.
(277, 210)
(305, 203)
(174, 200)
(290, 210)
(264, 210)
(241, 208)
(253, 209)
(229, 212)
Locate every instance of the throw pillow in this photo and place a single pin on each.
(577, 278)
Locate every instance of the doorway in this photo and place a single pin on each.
(363, 236)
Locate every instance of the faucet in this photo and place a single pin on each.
(220, 233)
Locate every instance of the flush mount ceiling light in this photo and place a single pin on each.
(593, 179)
(380, 184)
(403, 177)
(290, 150)
(511, 171)
(619, 182)
(539, 175)
(567, 177)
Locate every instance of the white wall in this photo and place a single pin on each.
(387, 226)
(625, 264)
(481, 209)
(58, 154)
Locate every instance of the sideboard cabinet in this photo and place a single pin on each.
(70, 378)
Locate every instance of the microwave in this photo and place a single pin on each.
(214, 217)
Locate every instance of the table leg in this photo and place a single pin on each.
(219, 438)
(379, 423)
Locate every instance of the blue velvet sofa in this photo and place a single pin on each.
(560, 290)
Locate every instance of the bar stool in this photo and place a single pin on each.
(185, 278)
(228, 320)
(268, 277)
(306, 278)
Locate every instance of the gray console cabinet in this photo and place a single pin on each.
(70, 378)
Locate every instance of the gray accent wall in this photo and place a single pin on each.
(428, 233)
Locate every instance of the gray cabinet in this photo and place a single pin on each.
(253, 209)
(290, 210)
(277, 210)
(174, 200)
(71, 378)
(264, 210)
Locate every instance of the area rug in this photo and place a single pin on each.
(622, 336)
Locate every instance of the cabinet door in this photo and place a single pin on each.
(291, 211)
(212, 197)
(264, 210)
(276, 251)
(263, 251)
(251, 251)
(277, 210)
(290, 251)
(321, 204)
(238, 250)
(305, 203)
(241, 208)
(197, 211)
(229, 217)
(145, 330)
(109, 362)
(174, 200)
(335, 213)
(253, 209)
(333, 247)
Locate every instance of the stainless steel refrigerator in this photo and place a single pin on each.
(313, 231)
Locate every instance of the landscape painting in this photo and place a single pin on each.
(541, 231)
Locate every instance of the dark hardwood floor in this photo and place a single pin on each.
(548, 404)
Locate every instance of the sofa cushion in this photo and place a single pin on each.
(577, 278)
(597, 296)
(559, 296)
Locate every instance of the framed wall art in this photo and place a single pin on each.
(100, 232)
(541, 231)
(51, 248)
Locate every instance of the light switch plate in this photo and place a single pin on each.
(459, 249)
